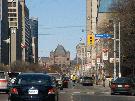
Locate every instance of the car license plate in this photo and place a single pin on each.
(33, 91)
(119, 85)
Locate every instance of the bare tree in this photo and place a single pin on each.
(124, 12)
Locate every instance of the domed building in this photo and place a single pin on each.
(60, 56)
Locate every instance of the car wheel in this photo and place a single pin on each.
(112, 93)
(57, 98)
(132, 93)
(9, 99)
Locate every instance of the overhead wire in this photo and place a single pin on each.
(70, 26)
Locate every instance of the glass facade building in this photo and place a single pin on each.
(4, 30)
(34, 35)
(104, 5)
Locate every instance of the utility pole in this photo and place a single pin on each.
(119, 53)
(114, 51)
(96, 63)
(81, 62)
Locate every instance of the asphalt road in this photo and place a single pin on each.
(85, 93)
(91, 93)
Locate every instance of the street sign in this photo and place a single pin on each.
(103, 35)
(112, 60)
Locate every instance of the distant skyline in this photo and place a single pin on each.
(60, 22)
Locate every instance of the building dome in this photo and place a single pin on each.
(60, 51)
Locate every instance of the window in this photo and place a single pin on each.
(11, 4)
(33, 79)
(13, 19)
(2, 75)
(13, 23)
(12, 14)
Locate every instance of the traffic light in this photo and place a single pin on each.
(90, 39)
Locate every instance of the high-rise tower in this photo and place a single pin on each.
(14, 18)
(4, 51)
(91, 25)
(34, 35)
(26, 35)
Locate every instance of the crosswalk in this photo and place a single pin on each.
(85, 93)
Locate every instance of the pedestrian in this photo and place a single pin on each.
(96, 79)
(74, 80)
(103, 80)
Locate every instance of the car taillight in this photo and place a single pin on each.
(14, 91)
(51, 91)
(65, 81)
(126, 86)
(113, 86)
(3, 80)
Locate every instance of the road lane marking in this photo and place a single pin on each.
(90, 93)
(105, 92)
(76, 92)
(71, 97)
(62, 92)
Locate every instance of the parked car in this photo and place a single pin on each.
(123, 85)
(87, 80)
(33, 87)
(80, 80)
(13, 75)
(58, 79)
(4, 79)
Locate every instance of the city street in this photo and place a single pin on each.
(91, 93)
(85, 93)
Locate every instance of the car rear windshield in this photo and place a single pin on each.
(89, 78)
(133, 80)
(33, 79)
(13, 75)
(2, 75)
(122, 80)
(57, 76)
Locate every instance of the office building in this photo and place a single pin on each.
(14, 18)
(26, 34)
(4, 47)
(34, 35)
(92, 7)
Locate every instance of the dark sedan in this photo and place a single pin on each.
(33, 87)
(87, 81)
(65, 82)
(123, 85)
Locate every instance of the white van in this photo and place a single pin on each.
(3, 81)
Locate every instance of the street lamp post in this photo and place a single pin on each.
(8, 42)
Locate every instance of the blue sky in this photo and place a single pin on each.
(62, 21)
